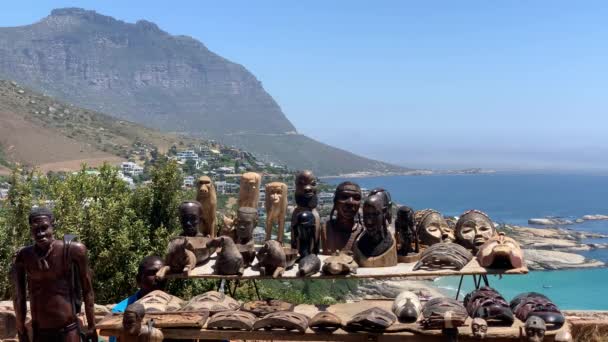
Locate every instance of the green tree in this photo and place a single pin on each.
(113, 221)
(190, 167)
(97, 208)
(14, 226)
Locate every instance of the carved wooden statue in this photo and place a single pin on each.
(376, 246)
(304, 233)
(340, 232)
(306, 200)
(207, 197)
(179, 259)
(45, 273)
(132, 323)
(245, 223)
(133, 329)
(308, 247)
(272, 259)
(190, 218)
(405, 232)
(276, 208)
(249, 193)
(229, 260)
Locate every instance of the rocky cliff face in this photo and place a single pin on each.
(140, 73)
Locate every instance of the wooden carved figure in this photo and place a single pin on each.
(308, 247)
(306, 200)
(132, 322)
(376, 246)
(229, 260)
(55, 276)
(272, 259)
(405, 232)
(276, 208)
(249, 193)
(179, 258)
(207, 197)
(342, 230)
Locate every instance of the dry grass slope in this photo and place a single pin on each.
(37, 130)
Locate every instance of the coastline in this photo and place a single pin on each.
(415, 172)
(555, 248)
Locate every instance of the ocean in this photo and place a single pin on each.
(514, 198)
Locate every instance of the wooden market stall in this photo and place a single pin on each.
(189, 325)
(192, 326)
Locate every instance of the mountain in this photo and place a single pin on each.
(37, 130)
(140, 73)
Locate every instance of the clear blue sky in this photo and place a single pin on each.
(506, 84)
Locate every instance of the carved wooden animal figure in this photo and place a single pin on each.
(340, 263)
(229, 259)
(276, 208)
(207, 197)
(178, 259)
(198, 245)
(309, 265)
(272, 259)
(249, 193)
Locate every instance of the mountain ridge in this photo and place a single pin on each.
(138, 72)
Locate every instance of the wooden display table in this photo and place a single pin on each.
(400, 270)
(173, 328)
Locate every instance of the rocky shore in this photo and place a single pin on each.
(374, 289)
(559, 221)
(555, 248)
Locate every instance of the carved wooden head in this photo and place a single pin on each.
(205, 186)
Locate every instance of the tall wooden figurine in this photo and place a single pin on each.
(306, 200)
(249, 193)
(276, 208)
(207, 197)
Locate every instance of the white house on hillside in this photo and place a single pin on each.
(223, 187)
(183, 156)
(188, 181)
(132, 169)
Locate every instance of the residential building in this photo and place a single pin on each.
(326, 198)
(3, 194)
(187, 155)
(225, 169)
(132, 169)
(188, 181)
(223, 187)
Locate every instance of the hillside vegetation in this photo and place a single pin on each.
(38, 130)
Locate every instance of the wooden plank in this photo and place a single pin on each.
(400, 270)
(186, 334)
(161, 320)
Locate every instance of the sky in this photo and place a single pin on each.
(437, 84)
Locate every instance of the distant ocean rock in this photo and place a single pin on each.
(538, 259)
(594, 217)
(549, 221)
(555, 221)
